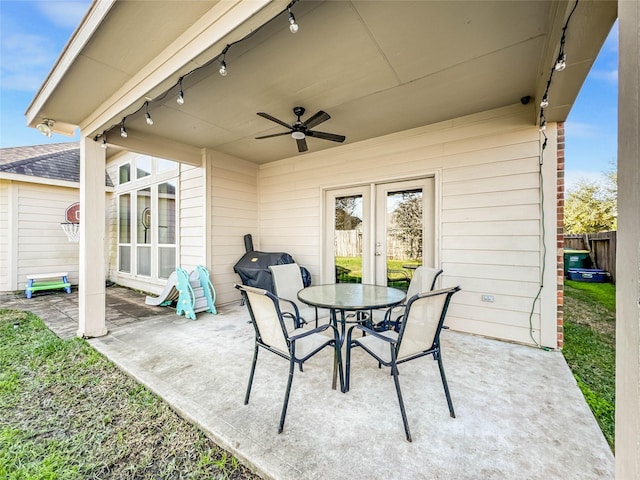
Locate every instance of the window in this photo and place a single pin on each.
(147, 219)
(124, 174)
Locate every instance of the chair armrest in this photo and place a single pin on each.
(306, 333)
(373, 333)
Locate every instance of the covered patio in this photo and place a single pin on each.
(519, 411)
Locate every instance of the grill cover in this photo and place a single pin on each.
(253, 268)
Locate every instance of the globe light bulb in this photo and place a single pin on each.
(561, 63)
(545, 102)
(180, 98)
(223, 69)
(149, 119)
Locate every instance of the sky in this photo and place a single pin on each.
(34, 33)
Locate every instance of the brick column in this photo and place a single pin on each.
(560, 233)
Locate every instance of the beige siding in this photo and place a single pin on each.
(487, 203)
(42, 246)
(234, 213)
(191, 217)
(5, 282)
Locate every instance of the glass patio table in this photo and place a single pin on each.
(349, 297)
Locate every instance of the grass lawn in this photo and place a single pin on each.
(66, 412)
(589, 347)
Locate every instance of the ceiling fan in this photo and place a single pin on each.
(299, 130)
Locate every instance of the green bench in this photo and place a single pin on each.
(52, 281)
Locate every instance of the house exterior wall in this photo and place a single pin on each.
(488, 212)
(234, 213)
(218, 202)
(5, 284)
(31, 240)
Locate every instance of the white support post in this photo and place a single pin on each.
(628, 248)
(91, 291)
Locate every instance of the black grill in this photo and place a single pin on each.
(253, 267)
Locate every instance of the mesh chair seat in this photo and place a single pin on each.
(418, 336)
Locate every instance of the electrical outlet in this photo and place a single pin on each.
(488, 298)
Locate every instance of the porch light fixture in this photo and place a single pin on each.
(45, 127)
(147, 114)
(123, 131)
(293, 26)
(180, 98)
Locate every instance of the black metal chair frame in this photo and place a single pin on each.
(394, 345)
(388, 323)
(291, 338)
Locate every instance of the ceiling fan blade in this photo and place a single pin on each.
(273, 135)
(317, 119)
(274, 119)
(326, 136)
(302, 145)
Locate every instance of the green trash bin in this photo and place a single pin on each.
(576, 259)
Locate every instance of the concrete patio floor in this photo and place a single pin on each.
(519, 412)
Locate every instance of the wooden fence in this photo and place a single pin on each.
(602, 248)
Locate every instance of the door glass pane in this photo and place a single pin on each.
(167, 213)
(124, 221)
(143, 217)
(125, 258)
(404, 236)
(166, 261)
(144, 260)
(348, 239)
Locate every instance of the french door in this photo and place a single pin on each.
(379, 233)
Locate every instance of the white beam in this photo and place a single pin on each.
(91, 291)
(157, 146)
(628, 248)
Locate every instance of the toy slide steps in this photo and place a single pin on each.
(193, 292)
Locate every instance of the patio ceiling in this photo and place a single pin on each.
(376, 67)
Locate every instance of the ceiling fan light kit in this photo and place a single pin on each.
(299, 130)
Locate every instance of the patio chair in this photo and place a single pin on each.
(423, 280)
(296, 346)
(419, 335)
(287, 282)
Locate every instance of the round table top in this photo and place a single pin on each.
(351, 296)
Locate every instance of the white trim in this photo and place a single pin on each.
(209, 31)
(81, 36)
(16, 177)
(12, 237)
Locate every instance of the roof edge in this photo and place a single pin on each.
(90, 23)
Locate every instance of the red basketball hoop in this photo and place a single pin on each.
(71, 226)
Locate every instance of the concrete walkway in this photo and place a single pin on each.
(519, 412)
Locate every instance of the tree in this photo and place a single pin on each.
(408, 218)
(591, 207)
(346, 208)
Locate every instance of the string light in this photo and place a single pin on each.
(545, 101)
(223, 64)
(180, 98)
(104, 140)
(558, 66)
(293, 27)
(123, 130)
(148, 115)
